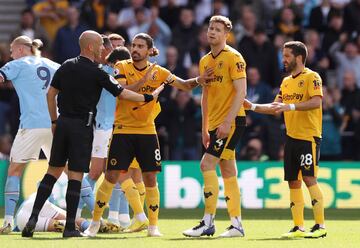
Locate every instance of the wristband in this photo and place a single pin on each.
(253, 107)
(196, 80)
(292, 106)
(53, 122)
(148, 98)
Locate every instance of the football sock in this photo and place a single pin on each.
(12, 193)
(72, 201)
(44, 191)
(114, 203)
(211, 191)
(87, 195)
(232, 196)
(153, 204)
(102, 198)
(132, 195)
(91, 181)
(124, 204)
(297, 206)
(317, 203)
(141, 188)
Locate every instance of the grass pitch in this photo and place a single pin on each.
(262, 229)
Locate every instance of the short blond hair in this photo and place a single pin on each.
(222, 19)
(26, 41)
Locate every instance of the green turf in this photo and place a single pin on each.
(262, 228)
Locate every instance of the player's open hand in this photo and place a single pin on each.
(223, 130)
(207, 76)
(279, 107)
(148, 74)
(247, 104)
(156, 92)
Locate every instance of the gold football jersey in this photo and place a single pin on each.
(304, 125)
(138, 117)
(229, 65)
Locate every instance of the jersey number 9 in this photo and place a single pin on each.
(44, 74)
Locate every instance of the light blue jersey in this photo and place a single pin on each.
(106, 106)
(31, 77)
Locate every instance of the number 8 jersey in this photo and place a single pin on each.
(31, 77)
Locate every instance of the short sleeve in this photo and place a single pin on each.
(237, 67)
(119, 73)
(11, 70)
(166, 76)
(315, 85)
(109, 83)
(56, 82)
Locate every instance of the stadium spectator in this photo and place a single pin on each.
(253, 151)
(259, 52)
(94, 13)
(52, 15)
(351, 18)
(111, 26)
(332, 120)
(160, 32)
(66, 43)
(349, 95)
(170, 12)
(288, 25)
(185, 28)
(126, 17)
(200, 48)
(332, 32)
(346, 60)
(182, 127)
(31, 28)
(320, 16)
(141, 18)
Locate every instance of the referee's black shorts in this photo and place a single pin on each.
(72, 143)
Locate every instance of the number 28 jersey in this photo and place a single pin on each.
(31, 77)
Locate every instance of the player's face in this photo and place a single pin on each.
(289, 60)
(117, 43)
(216, 33)
(15, 51)
(139, 50)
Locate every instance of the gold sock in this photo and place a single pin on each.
(297, 206)
(141, 188)
(232, 196)
(153, 204)
(132, 195)
(103, 196)
(211, 191)
(318, 203)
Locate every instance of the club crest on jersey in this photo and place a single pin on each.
(301, 84)
(220, 65)
(154, 75)
(240, 66)
(113, 161)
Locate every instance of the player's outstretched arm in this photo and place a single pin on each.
(135, 97)
(312, 103)
(191, 83)
(136, 86)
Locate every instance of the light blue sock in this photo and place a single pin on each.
(114, 203)
(91, 181)
(124, 204)
(84, 225)
(87, 195)
(12, 193)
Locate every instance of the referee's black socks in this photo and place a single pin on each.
(72, 201)
(43, 193)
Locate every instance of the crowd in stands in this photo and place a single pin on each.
(329, 28)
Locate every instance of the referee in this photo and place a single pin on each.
(77, 84)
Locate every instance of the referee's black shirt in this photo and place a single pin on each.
(80, 81)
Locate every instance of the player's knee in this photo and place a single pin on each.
(149, 179)
(309, 181)
(16, 169)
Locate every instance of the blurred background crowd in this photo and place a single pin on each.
(329, 28)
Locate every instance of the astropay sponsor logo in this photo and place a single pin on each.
(187, 192)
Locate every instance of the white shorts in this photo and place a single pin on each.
(48, 212)
(101, 143)
(28, 142)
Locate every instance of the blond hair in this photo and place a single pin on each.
(33, 44)
(222, 19)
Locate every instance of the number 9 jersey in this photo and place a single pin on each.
(31, 77)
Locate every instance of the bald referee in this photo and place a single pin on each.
(77, 86)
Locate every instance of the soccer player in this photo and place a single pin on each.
(300, 98)
(30, 75)
(76, 87)
(134, 136)
(223, 123)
